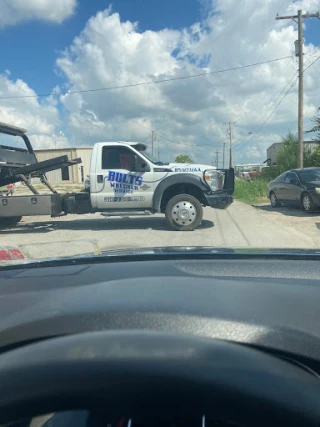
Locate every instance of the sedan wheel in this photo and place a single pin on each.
(273, 200)
(307, 202)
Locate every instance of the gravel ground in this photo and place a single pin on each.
(241, 225)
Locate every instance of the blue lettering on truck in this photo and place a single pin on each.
(123, 183)
(125, 178)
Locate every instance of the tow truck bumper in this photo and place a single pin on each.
(219, 200)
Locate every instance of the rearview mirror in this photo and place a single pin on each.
(140, 165)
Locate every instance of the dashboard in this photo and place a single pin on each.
(262, 303)
(271, 304)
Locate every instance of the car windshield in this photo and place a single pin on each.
(152, 158)
(310, 175)
(133, 125)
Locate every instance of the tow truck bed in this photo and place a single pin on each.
(17, 163)
(12, 173)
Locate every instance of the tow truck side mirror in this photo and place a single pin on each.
(139, 165)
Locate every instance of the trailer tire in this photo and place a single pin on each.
(9, 222)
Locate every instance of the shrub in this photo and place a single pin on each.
(251, 191)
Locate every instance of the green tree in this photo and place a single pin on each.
(287, 157)
(315, 157)
(183, 158)
(316, 128)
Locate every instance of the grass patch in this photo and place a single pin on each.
(251, 192)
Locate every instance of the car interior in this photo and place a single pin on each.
(161, 339)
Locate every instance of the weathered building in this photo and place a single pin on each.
(73, 175)
(276, 147)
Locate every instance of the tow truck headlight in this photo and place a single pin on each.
(214, 178)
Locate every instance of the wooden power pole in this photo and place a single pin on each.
(299, 53)
(223, 154)
(153, 140)
(217, 159)
(230, 136)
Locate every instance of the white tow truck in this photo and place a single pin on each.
(125, 180)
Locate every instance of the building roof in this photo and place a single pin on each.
(63, 149)
(280, 143)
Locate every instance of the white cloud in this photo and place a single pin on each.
(56, 11)
(110, 52)
(40, 119)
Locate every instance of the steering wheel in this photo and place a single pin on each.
(138, 373)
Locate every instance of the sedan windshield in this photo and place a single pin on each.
(310, 175)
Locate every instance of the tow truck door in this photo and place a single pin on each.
(116, 184)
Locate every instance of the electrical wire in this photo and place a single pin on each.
(147, 137)
(291, 86)
(277, 77)
(258, 130)
(268, 109)
(311, 6)
(147, 83)
(190, 145)
(262, 47)
(175, 142)
(311, 64)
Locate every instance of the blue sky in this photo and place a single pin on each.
(29, 49)
(190, 112)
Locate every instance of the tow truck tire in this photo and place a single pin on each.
(9, 222)
(184, 212)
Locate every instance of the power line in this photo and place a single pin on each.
(189, 145)
(311, 6)
(175, 142)
(262, 47)
(274, 82)
(255, 133)
(268, 109)
(311, 64)
(147, 83)
(147, 137)
(291, 86)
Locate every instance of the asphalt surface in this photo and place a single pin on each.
(241, 225)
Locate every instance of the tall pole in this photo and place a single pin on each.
(217, 158)
(299, 53)
(230, 136)
(153, 139)
(300, 101)
(223, 154)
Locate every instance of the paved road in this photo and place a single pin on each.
(240, 225)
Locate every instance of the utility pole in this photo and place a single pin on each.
(299, 53)
(230, 137)
(153, 140)
(223, 154)
(217, 158)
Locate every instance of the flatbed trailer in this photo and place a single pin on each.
(22, 165)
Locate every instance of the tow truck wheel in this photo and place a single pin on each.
(184, 212)
(9, 222)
